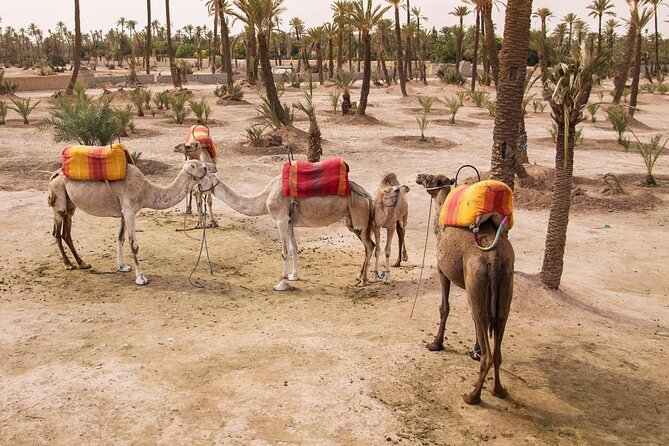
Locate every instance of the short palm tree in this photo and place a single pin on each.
(365, 16)
(24, 108)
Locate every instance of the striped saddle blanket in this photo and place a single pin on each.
(468, 206)
(200, 133)
(96, 163)
(301, 179)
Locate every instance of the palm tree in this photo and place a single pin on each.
(224, 10)
(316, 37)
(297, 25)
(77, 48)
(623, 69)
(477, 31)
(147, 50)
(655, 4)
(490, 41)
(330, 31)
(461, 12)
(418, 14)
(543, 14)
(641, 20)
(569, 19)
(176, 79)
(610, 33)
(213, 7)
(365, 17)
(568, 94)
(581, 29)
(383, 33)
(340, 9)
(510, 90)
(398, 42)
(258, 17)
(600, 8)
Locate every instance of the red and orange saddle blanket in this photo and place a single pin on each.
(90, 163)
(470, 206)
(301, 179)
(200, 133)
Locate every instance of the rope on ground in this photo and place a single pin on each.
(422, 266)
(203, 247)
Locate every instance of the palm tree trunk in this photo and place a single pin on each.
(624, 68)
(147, 50)
(510, 90)
(330, 58)
(491, 44)
(226, 58)
(476, 50)
(77, 48)
(658, 71)
(558, 219)
(268, 79)
(319, 63)
(367, 72)
(360, 49)
(599, 36)
(458, 45)
(212, 56)
(543, 57)
(176, 80)
(400, 62)
(636, 74)
(340, 48)
(386, 76)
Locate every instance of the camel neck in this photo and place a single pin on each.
(157, 197)
(251, 206)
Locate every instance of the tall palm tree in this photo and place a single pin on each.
(610, 33)
(316, 36)
(543, 14)
(258, 16)
(477, 31)
(176, 79)
(297, 25)
(641, 18)
(340, 10)
(365, 16)
(460, 12)
(569, 19)
(330, 31)
(581, 29)
(656, 4)
(213, 6)
(147, 50)
(568, 95)
(418, 14)
(384, 30)
(490, 41)
(600, 8)
(510, 90)
(624, 68)
(77, 48)
(395, 4)
(225, 10)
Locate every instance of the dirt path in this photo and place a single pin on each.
(92, 358)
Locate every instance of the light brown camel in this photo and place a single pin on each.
(196, 151)
(313, 212)
(391, 211)
(487, 276)
(123, 198)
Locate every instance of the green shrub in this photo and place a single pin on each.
(334, 100)
(270, 117)
(492, 106)
(139, 97)
(254, 134)
(426, 102)
(662, 88)
(617, 114)
(422, 124)
(162, 100)
(650, 153)
(180, 110)
(478, 97)
(592, 110)
(124, 116)
(202, 110)
(453, 104)
(24, 108)
(450, 76)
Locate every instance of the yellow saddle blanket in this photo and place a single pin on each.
(96, 163)
(472, 205)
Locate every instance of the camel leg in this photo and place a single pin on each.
(283, 238)
(67, 235)
(444, 310)
(365, 237)
(377, 253)
(212, 220)
(401, 232)
(292, 249)
(58, 223)
(390, 232)
(189, 203)
(486, 359)
(198, 203)
(120, 240)
(503, 309)
(129, 218)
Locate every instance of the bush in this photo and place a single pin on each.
(334, 100)
(450, 76)
(462, 96)
(478, 97)
(453, 104)
(422, 124)
(162, 100)
(650, 153)
(202, 110)
(426, 102)
(270, 117)
(180, 110)
(233, 93)
(24, 108)
(592, 110)
(492, 107)
(139, 98)
(618, 116)
(124, 116)
(662, 88)
(254, 134)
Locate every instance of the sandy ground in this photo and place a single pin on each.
(94, 359)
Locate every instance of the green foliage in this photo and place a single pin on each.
(617, 114)
(202, 110)
(453, 104)
(592, 110)
(553, 131)
(344, 80)
(462, 96)
(526, 101)
(268, 114)
(426, 102)
(662, 88)
(139, 98)
(422, 124)
(162, 100)
(478, 97)
(180, 110)
(334, 100)
(650, 152)
(136, 156)
(23, 107)
(538, 106)
(254, 134)
(8, 87)
(3, 112)
(484, 79)
(233, 93)
(491, 104)
(92, 122)
(124, 116)
(450, 76)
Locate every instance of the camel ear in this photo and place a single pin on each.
(405, 189)
(192, 146)
(180, 148)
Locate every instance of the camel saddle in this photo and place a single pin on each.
(89, 163)
(470, 206)
(301, 179)
(200, 133)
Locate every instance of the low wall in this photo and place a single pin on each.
(54, 82)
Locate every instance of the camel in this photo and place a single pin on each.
(195, 151)
(312, 212)
(487, 277)
(391, 211)
(123, 198)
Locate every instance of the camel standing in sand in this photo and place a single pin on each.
(123, 198)
(312, 212)
(391, 211)
(196, 151)
(487, 276)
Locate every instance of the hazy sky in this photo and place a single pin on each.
(96, 14)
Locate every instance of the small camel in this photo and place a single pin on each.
(391, 211)
(123, 198)
(487, 276)
(312, 212)
(196, 151)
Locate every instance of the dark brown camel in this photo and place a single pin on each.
(487, 276)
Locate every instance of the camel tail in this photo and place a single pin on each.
(493, 280)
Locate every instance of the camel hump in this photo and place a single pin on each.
(390, 179)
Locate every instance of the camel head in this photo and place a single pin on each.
(389, 179)
(197, 169)
(389, 195)
(434, 184)
(190, 149)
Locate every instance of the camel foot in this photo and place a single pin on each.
(293, 277)
(500, 392)
(361, 283)
(435, 346)
(281, 286)
(69, 266)
(123, 268)
(405, 257)
(213, 224)
(471, 398)
(386, 277)
(189, 211)
(397, 264)
(84, 265)
(141, 280)
(375, 277)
